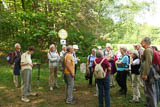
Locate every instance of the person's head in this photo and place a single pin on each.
(52, 47)
(64, 47)
(123, 50)
(99, 54)
(134, 54)
(138, 46)
(93, 51)
(17, 47)
(31, 50)
(70, 49)
(108, 46)
(146, 42)
(75, 47)
(135, 46)
(155, 48)
(99, 48)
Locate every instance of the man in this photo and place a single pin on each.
(139, 49)
(15, 63)
(147, 73)
(75, 47)
(26, 65)
(69, 74)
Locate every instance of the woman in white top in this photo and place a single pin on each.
(53, 58)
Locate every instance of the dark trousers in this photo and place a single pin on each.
(122, 80)
(90, 76)
(103, 89)
(75, 68)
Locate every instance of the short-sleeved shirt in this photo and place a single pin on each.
(26, 58)
(105, 64)
(69, 57)
(124, 60)
(91, 58)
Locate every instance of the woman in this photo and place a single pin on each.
(53, 58)
(103, 84)
(135, 66)
(109, 54)
(91, 58)
(26, 74)
(122, 67)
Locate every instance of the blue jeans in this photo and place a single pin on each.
(103, 88)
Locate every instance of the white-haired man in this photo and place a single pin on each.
(15, 63)
(148, 73)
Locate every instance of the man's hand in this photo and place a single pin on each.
(31, 65)
(73, 75)
(144, 77)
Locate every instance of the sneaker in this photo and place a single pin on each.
(96, 95)
(133, 101)
(33, 94)
(71, 102)
(57, 86)
(51, 88)
(74, 89)
(25, 99)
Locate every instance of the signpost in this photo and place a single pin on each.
(63, 36)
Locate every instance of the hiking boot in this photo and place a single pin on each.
(24, 99)
(71, 102)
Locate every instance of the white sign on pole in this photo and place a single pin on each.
(63, 42)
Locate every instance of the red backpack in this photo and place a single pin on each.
(156, 59)
(9, 57)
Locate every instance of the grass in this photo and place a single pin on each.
(11, 96)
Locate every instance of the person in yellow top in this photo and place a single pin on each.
(69, 73)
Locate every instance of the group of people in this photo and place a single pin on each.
(140, 64)
(66, 61)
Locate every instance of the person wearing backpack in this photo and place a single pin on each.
(122, 68)
(91, 58)
(53, 58)
(15, 63)
(156, 64)
(101, 66)
(149, 73)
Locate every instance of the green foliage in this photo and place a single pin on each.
(89, 23)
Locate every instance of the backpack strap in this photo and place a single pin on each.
(102, 60)
(95, 62)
